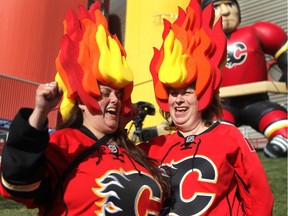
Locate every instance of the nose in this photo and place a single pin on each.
(114, 97)
(179, 98)
(224, 9)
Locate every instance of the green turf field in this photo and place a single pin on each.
(276, 171)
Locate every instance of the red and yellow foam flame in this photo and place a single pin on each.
(193, 50)
(90, 54)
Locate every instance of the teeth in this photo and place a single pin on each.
(111, 109)
(181, 108)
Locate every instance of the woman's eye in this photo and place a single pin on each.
(118, 94)
(188, 92)
(174, 93)
(105, 93)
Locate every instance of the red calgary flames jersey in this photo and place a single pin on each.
(108, 182)
(215, 173)
(109, 185)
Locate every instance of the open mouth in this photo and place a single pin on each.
(181, 109)
(111, 110)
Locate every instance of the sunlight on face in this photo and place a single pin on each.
(106, 120)
(230, 14)
(183, 106)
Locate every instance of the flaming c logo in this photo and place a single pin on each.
(189, 201)
(236, 55)
(114, 188)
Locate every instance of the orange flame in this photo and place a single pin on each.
(90, 54)
(192, 51)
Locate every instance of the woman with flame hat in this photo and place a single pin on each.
(213, 169)
(88, 166)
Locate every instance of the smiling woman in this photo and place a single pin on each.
(213, 169)
(106, 119)
(88, 160)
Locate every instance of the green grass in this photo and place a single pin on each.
(11, 208)
(276, 170)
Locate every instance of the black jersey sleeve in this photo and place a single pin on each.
(23, 158)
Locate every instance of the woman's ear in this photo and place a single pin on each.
(82, 107)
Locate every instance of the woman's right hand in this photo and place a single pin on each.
(47, 97)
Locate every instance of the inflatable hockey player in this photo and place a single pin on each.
(246, 49)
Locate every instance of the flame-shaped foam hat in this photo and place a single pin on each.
(193, 50)
(90, 54)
